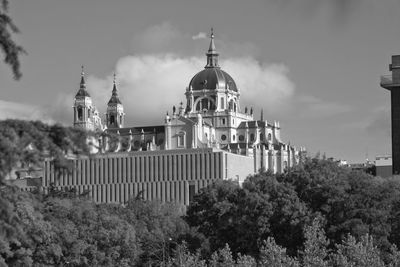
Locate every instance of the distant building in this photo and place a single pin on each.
(210, 137)
(384, 166)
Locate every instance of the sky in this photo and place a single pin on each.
(312, 65)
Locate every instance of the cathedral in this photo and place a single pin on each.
(210, 137)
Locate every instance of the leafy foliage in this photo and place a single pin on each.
(11, 50)
(29, 143)
(316, 214)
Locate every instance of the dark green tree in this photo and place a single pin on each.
(11, 50)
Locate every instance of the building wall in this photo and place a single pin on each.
(383, 166)
(156, 175)
(238, 167)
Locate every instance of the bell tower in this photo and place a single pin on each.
(115, 115)
(83, 107)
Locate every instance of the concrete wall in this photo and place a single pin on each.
(238, 167)
(156, 175)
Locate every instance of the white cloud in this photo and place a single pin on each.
(261, 85)
(151, 84)
(15, 110)
(200, 35)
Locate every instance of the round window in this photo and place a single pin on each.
(223, 137)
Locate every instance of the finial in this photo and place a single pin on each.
(82, 78)
(114, 91)
(212, 54)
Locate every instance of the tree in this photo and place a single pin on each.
(274, 255)
(361, 253)
(315, 248)
(10, 48)
(351, 201)
(184, 258)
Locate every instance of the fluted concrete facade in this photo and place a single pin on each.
(170, 175)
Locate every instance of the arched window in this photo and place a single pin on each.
(233, 137)
(80, 113)
(222, 103)
(112, 119)
(205, 103)
(261, 137)
(252, 137)
(269, 137)
(120, 119)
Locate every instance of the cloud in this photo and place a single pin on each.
(23, 111)
(200, 35)
(58, 111)
(151, 84)
(262, 85)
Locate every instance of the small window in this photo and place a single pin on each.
(241, 138)
(181, 140)
(223, 137)
(252, 137)
(261, 137)
(223, 121)
(269, 137)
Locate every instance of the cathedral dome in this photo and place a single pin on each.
(212, 78)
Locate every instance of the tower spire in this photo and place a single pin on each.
(114, 95)
(114, 91)
(82, 88)
(83, 84)
(212, 54)
(212, 48)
